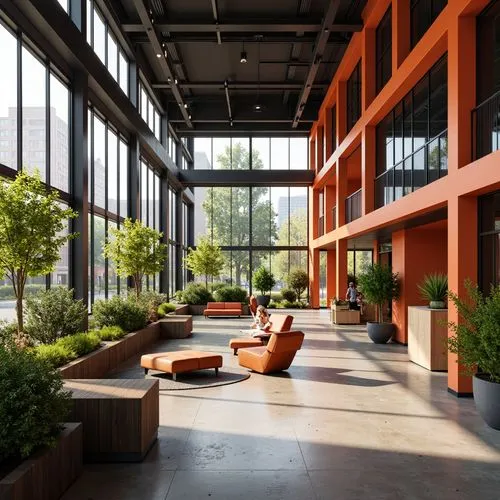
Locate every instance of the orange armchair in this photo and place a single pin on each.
(276, 356)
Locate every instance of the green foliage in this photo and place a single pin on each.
(207, 260)
(272, 305)
(54, 313)
(476, 337)
(298, 280)
(196, 294)
(7, 292)
(434, 287)
(32, 231)
(8, 333)
(289, 295)
(165, 309)
(32, 403)
(294, 305)
(379, 285)
(151, 300)
(263, 280)
(276, 296)
(136, 250)
(231, 294)
(55, 355)
(117, 311)
(110, 333)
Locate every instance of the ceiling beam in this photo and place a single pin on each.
(287, 26)
(241, 85)
(158, 48)
(215, 12)
(319, 47)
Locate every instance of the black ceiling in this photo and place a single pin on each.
(298, 43)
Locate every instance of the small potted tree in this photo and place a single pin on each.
(379, 286)
(476, 341)
(434, 288)
(263, 280)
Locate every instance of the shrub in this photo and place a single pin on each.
(289, 295)
(196, 294)
(55, 355)
(379, 285)
(32, 403)
(81, 343)
(276, 296)
(263, 280)
(434, 287)
(54, 313)
(165, 309)
(272, 305)
(216, 285)
(7, 292)
(230, 294)
(476, 339)
(8, 333)
(294, 305)
(298, 281)
(117, 311)
(151, 300)
(108, 333)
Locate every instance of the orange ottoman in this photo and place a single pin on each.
(181, 362)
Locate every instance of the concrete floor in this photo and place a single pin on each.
(349, 420)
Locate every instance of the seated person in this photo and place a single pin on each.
(261, 323)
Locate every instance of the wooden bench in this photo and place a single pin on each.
(120, 417)
(181, 362)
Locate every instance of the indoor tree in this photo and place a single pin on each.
(136, 250)
(32, 232)
(298, 281)
(206, 260)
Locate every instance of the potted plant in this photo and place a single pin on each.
(476, 341)
(379, 286)
(339, 304)
(434, 288)
(264, 281)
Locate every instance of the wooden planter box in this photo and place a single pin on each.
(48, 473)
(427, 336)
(176, 326)
(345, 317)
(182, 309)
(197, 310)
(107, 358)
(120, 417)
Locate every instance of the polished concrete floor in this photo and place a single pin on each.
(349, 420)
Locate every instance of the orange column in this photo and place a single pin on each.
(314, 277)
(368, 68)
(461, 89)
(462, 265)
(331, 273)
(415, 253)
(368, 156)
(341, 190)
(375, 252)
(341, 269)
(400, 32)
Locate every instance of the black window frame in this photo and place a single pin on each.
(383, 53)
(425, 12)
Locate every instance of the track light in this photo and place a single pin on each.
(189, 116)
(185, 105)
(243, 58)
(176, 81)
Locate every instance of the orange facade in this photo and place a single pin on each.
(449, 245)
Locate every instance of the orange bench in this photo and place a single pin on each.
(181, 362)
(223, 309)
(279, 323)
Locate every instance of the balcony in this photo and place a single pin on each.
(353, 206)
(321, 226)
(334, 218)
(486, 127)
(427, 164)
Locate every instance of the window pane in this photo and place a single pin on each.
(144, 105)
(8, 99)
(34, 109)
(298, 216)
(112, 57)
(262, 217)
(157, 126)
(260, 153)
(112, 172)
(221, 215)
(98, 246)
(99, 163)
(298, 153)
(123, 179)
(222, 153)
(59, 134)
(144, 193)
(151, 180)
(123, 73)
(279, 153)
(64, 4)
(240, 268)
(99, 44)
(112, 277)
(280, 202)
(240, 154)
(240, 203)
(202, 153)
(280, 267)
(157, 202)
(60, 276)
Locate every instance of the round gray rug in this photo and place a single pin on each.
(198, 379)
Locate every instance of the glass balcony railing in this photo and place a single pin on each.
(353, 206)
(425, 165)
(486, 127)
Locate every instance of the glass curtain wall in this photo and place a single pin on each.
(34, 135)
(412, 145)
(254, 226)
(489, 241)
(108, 201)
(149, 111)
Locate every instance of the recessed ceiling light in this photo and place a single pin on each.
(185, 105)
(257, 107)
(189, 117)
(243, 57)
(158, 55)
(176, 81)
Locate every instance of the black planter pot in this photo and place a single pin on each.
(487, 399)
(263, 300)
(380, 333)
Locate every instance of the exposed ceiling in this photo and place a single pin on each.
(293, 48)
